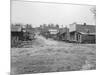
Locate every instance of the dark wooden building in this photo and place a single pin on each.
(16, 34)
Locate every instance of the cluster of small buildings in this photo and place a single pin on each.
(21, 33)
(78, 33)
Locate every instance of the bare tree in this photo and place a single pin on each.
(93, 10)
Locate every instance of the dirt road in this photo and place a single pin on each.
(47, 55)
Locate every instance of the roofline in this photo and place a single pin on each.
(86, 25)
(83, 33)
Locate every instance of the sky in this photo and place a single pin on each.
(37, 13)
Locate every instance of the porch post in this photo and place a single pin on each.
(80, 38)
(75, 38)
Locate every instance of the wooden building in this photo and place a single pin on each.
(82, 33)
(49, 31)
(16, 34)
(20, 33)
(63, 34)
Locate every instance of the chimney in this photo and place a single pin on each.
(84, 24)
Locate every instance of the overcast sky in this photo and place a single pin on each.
(36, 13)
